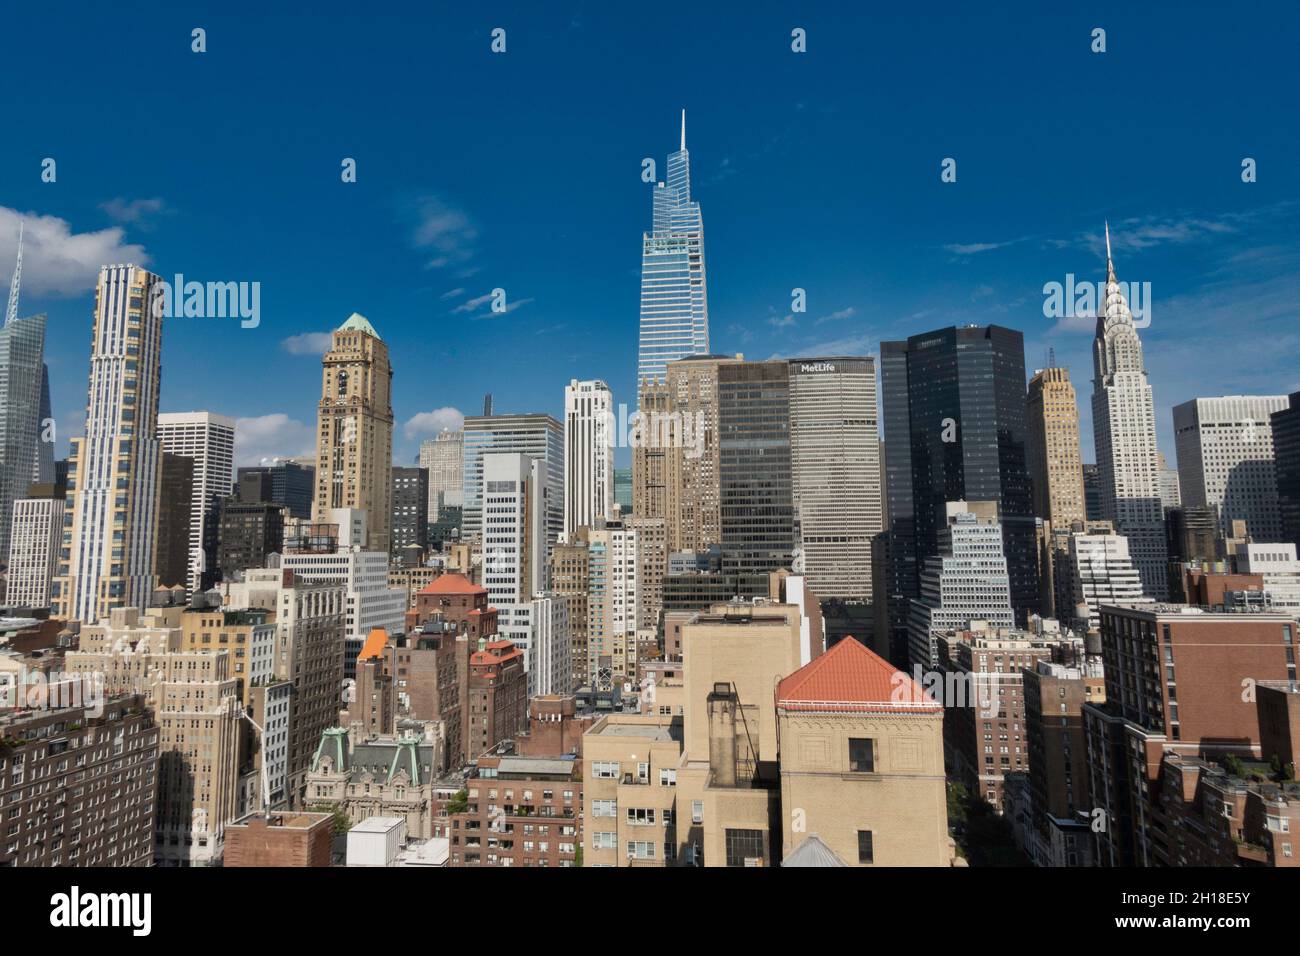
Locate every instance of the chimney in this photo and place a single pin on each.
(722, 734)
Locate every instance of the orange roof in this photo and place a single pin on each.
(374, 646)
(452, 583)
(496, 652)
(849, 678)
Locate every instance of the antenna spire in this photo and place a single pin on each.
(11, 312)
(683, 129)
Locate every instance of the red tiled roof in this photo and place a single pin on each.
(849, 678)
(452, 583)
(496, 652)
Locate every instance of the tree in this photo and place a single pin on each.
(459, 803)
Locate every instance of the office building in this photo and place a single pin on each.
(589, 425)
(1099, 570)
(835, 473)
(755, 485)
(514, 543)
(36, 530)
(443, 457)
(250, 525)
(966, 582)
(293, 484)
(410, 524)
(1124, 432)
(535, 435)
(674, 294)
(354, 443)
(111, 524)
(24, 389)
(327, 556)
(1285, 427)
(1225, 460)
(966, 441)
(623, 490)
(209, 441)
(1053, 431)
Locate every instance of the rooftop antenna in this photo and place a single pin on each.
(11, 312)
(683, 130)
(1051, 357)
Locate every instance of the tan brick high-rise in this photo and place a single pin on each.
(354, 432)
(1054, 464)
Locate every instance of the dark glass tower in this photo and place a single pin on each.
(965, 420)
(1286, 461)
(757, 509)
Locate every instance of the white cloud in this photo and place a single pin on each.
(272, 436)
(137, 211)
(57, 261)
(308, 343)
(427, 424)
(453, 293)
(442, 231)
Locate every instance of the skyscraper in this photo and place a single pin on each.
(755, 488)
(835, 470)
(24, 401)
(674, 297)
(965, 421)
(1124, 431)
(444, 458)
(110, 527)
(34, 545)
(208, 440)
(1054, 464)
(533, 434)
(1285, 426)
(588, 454)
(1225, 459)
(354, 436)
(293, 484)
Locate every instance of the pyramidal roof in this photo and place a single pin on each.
(452, 583)
(358, 323)
(849, 678)
(813, 852)
(1115, 310)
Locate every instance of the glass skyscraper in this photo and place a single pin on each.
(674, 297)
(24, 398)
(964, 413)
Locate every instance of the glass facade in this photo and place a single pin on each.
(674, 298)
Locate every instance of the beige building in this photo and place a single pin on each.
(651, 566)
(354, 433)
(736, 766)
(676, 464)
(194, 697)
(862, 762)
(1054, 463)
(570, 568)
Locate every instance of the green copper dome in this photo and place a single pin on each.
(358, 323)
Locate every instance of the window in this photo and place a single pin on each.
(866, 850)
(604, 808)
(862, 755)
(667, 778)
(640, 816)
(601, 840)
(605, 771)
(697, 811)
(745, 848)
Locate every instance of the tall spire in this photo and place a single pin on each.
(683, 129)
(11, 312)
(1110, 264)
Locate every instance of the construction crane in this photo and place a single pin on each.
(11, 312)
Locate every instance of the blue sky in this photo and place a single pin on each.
(521, 170)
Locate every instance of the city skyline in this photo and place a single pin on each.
(788, 191)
